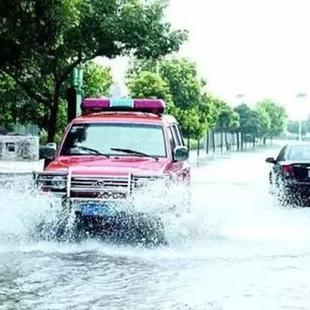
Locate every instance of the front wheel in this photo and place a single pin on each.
(138, 228)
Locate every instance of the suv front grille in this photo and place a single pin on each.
(102, 187)
(94, 186)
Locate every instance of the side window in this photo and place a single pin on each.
(178, 136)
(172, 138)
(282, 154)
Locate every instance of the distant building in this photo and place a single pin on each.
(19, 148)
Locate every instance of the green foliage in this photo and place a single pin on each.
(191, 123)
(42, 41)
(149, 85)
(273, 118)
(97, 80)
(177, 82)
(186, 89)
(228, 119)
(16, 106)
(209, 108)
(293, 127)
(250, 121)
(6, 102)
(182, 78)
(267, 120)
(197, 111)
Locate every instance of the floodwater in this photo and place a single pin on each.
(238, 249)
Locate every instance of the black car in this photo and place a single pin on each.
(290, 174)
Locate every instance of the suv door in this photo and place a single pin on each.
(179, 169)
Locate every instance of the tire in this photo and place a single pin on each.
(138, 229)
(150, 231)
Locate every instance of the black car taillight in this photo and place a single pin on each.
(288, 170)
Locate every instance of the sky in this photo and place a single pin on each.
(258, 48)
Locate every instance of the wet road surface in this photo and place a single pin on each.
(238, 249)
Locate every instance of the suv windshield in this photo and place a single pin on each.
(102, 138)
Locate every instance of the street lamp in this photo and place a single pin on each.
(300, 96)
(240, 135)
(75, 93)
(240, 98)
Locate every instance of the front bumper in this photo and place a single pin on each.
(92, 187)
(117, 192)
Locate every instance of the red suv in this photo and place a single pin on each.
(109, 153)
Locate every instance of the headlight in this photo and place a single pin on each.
(140, 182)
(58, 182)
(149, 180)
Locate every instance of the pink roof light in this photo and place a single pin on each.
(90, 105)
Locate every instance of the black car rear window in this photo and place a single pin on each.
(299, 152)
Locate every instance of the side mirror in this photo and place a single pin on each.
(48, 151)
(270, 160)
(180, 153)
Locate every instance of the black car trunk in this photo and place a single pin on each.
(302, 171)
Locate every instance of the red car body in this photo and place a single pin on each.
(121, 166)
(95, 180)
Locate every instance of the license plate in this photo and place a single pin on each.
(93, 209)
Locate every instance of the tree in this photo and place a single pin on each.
(16, 106)
(182, 78)
(184, 87)
(245, 117)
(97, 80)
(273, 118)
(293, 127)
(43, 41)
(6, 102)
(149, 85)
(264, 121)
(228, 120)
(250, 123)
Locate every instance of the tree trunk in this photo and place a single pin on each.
(53, 113)
(264, 140)
(208, 143)
(233, 141)
(226, 141)
(198, 147)
(213, 141)
(238, 141)
(254, 141)
(222, 142)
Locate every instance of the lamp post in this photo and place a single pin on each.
(75, 93)
(300, 96)
(240, 137)
(240, 98)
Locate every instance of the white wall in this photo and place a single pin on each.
(19, 148)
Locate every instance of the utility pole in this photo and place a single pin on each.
(240, 135)
(75, 93)
(300, 96)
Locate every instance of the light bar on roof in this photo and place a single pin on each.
(90, 105)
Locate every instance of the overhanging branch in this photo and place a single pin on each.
(68, 70)
(28, 90)
(70, 67)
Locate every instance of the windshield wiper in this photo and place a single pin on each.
(90, 150)
(129, 151)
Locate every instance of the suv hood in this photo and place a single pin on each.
(110, 166)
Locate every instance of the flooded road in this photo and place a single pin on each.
(237, 250)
